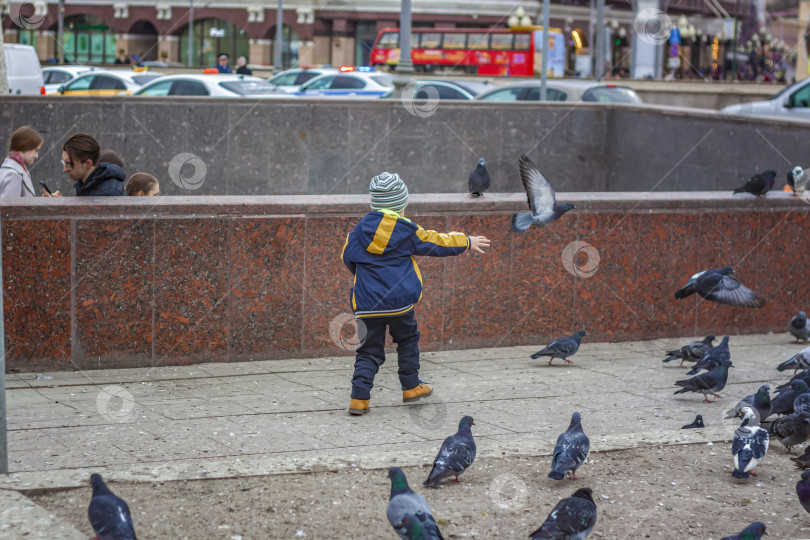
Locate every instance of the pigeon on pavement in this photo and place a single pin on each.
(710, 382)
(797, 179)
(404, 501)
(479, 179)
(759, 402)
(692, 352)
(803, 490)
(749, 445)
(561, 348)
(713, 357)
(573, 518)
(718, 285)
(791, 429)
(455, 455)
(752, 532)
(759, 184)
(541, 197)
(803, 461)
(413, 528)
(698, 423)
(801, 376)
(109, 516)
(800, 360)
(783, 402)
(570, 451)
(800, 327)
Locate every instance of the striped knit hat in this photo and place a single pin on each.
(389, 192)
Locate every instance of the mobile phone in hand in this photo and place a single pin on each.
(46, 187)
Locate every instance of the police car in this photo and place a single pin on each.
(349, 83)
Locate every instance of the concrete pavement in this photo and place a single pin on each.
(273, 417)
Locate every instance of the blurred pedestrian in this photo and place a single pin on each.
(122, 58)
(242, 68)
(142, 185)
(111, 156)
(80, 155)
(222, 65)
(23, 150)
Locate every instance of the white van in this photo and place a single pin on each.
(23, 69)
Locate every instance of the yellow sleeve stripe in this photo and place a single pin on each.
(451, 239)
(383, 234)
(342, 251)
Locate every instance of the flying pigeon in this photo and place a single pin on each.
(803, 375)
(759, 184)
(749, 445)
(570, 451)
(109, 516)
(456, 454)
(698, 423)
(803, 490)
(797, 179)
(413, 528)
(760, 403)
(783, 402)
(710, 382)
(752, 532)
(479, 179)
(692, 352)
(718, 285)
(573, 518)
(800, 360)
(713, 357)
(800, 327)
(561, 348)
(404, 501)
(791, 429)
(541, 198)
(803, 461)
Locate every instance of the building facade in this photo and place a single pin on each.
(334, 32)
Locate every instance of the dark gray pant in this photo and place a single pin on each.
(371, 353)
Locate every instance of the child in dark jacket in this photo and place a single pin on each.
(387, 283)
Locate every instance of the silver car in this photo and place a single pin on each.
(562, 90)
(792, 102)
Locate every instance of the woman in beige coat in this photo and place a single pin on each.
(23, 150)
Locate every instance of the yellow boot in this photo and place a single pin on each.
(358, 406)
(417, 393)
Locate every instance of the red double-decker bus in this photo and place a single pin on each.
(495, 52)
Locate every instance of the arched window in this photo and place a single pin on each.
(143, 40)
(289, 51)
(213, 37)
(88, 40)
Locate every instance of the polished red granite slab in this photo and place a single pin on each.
(113, 292)
(192, 292)
(266, 291)
(178, 280)
(36, 294)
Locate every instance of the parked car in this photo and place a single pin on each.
(562, 90)
(792, 102)
(291, 80)
(23, 71)
(220, 85)
(108, 82)
(348, 84)
(54, 77)
(445, 89)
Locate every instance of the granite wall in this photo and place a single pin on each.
(172, 280)
(278, 147)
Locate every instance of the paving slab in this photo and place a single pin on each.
(281, 416)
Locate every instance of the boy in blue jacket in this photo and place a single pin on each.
(387, 283)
